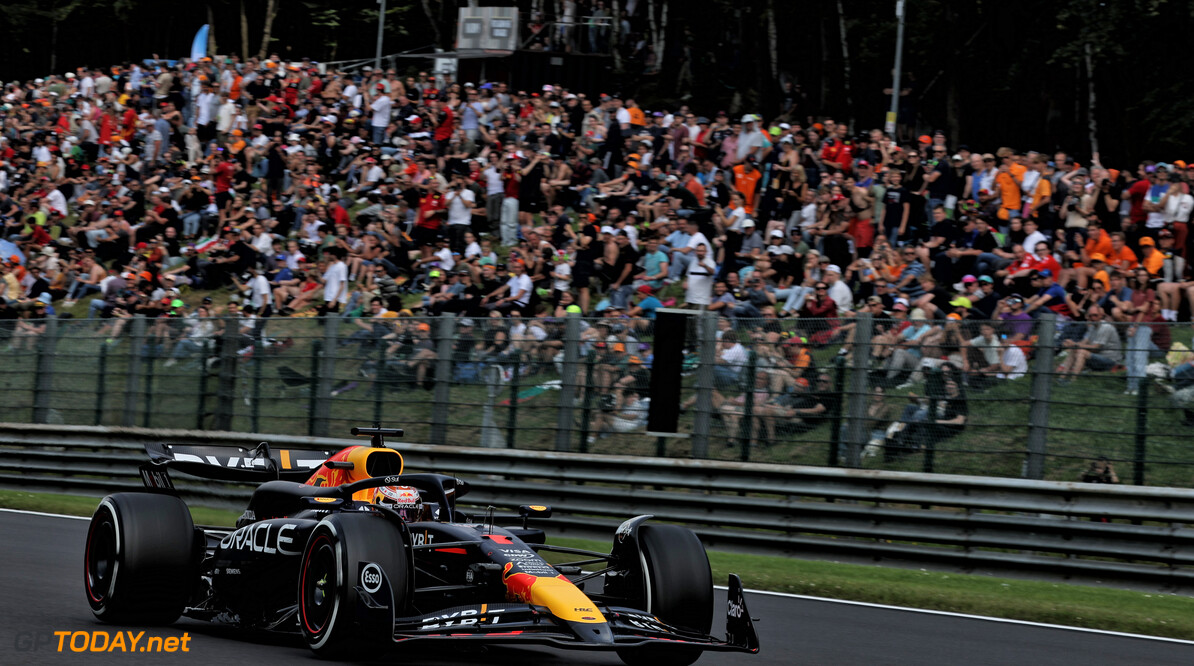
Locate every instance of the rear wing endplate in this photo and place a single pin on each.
(234, 463)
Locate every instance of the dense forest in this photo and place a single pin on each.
(1014, 72)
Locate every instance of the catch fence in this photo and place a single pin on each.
(1011, 399)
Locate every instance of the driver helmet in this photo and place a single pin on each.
(403, 499)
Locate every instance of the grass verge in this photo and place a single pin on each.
(1081, 606)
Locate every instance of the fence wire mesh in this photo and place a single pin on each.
(1018, 397)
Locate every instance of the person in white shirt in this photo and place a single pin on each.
(207, 105)
(1013, 365)
(838, 290)
(461, 201)
(335, 282)
(472, 249)
(382, 106)
(261, 295)
(225, 117)
(1034, 236)
(681, 257)
(87, 86)
(561, 276)
(373, 174)
(515, 294)
(494, 191)
(700, 274)
(57, 201)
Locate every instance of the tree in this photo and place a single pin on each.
(271, 12)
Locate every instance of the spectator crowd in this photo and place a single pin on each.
(140, 188)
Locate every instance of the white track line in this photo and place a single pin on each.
(806, 597)
(48, 515)
(967, 616)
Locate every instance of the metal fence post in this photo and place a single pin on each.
(379, 389)
(490, 434)
(147, 401)
(512, 415)
(746, 431)
(258, 361)
(834, 454)
(707, 356)
(101, 384)
(43, 388)
(201, 403)
(327, 374)
(226, 388)
(132, 381)
(313, 387)
(441, 408)
(860, 359)
(1042, 386)
(1141, 433)
(568, 382)
(586, 407)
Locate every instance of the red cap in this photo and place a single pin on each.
(142, 246)
(925, 138)
(118, 212)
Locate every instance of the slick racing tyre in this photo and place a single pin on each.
(677, 588)
(140, 559)
(348, 556)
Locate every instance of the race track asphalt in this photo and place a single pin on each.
(41, 592)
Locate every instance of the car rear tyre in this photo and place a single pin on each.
(346, 558)
(139, 565)
(677, 588)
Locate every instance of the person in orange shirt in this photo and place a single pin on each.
(693, 185)
(638, 119)
(1098, 270)
(1008, 180)
(1097, 240)
(1121, 257)
(1153, 260)
(746, 181)
(1042, 192)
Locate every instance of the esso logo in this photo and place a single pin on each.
(371, 578)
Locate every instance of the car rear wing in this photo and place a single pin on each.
(232, 463)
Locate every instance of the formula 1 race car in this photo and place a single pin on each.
(359, 558)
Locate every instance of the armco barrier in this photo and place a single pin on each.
(971, 522)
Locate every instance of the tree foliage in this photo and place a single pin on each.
(1010, 72)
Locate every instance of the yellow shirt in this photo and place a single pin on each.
(12, 286)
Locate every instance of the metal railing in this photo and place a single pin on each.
(852, 392)
(1071, 529)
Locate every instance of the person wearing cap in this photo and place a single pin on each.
(643, 307)
(1100, 348)
(1049, 295)
(747, 178)
(515, 294)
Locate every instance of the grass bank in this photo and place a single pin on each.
(1057, 603)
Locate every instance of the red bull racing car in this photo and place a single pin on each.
(361, 558)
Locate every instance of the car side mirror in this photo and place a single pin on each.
(527, 511)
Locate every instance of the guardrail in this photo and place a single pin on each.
(970, 522)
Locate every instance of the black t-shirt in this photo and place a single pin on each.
(486, 287)
(951, 408)
(939, 188)
(627, 256)
(893, 206)
(914, 177)
(941, 299)
(245, 255)
(985, 242)
(947, 230)
(594, 250)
